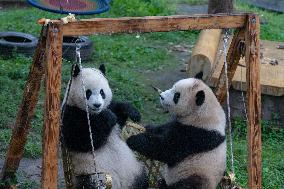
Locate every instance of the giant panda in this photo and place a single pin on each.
(192, 145)
(112, 155)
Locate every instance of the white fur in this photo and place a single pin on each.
(114, 158)
(94, 80)
(209, 116)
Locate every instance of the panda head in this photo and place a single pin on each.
(189, 97)
(97, 90)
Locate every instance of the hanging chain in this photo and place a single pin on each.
(243, 98)
(79, 61)
(225, 45)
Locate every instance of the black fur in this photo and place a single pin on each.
(85, 182)
(123, 111)
(141, 182)
(200, 98)
(172, 142)
(176, 97)
(75, 129)
(76, 70)
(102, 68)
(199, 75)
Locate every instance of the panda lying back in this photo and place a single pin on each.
(112, 155)
(192, 144)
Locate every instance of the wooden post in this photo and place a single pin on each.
(233, 58)
(253, 101)
(53, 60)
(26, 112)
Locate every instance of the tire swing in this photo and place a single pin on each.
(100, 180)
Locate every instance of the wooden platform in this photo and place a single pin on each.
(271, 76)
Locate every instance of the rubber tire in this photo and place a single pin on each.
(13, 42)
(69, 47)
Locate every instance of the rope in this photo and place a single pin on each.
(225, 44)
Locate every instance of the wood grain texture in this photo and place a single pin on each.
(26, 112)
(152, 24)
(53, 60)
(253, 102)
(233, 58)
(204, 53)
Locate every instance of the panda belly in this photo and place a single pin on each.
(114, 158)
(204, 169)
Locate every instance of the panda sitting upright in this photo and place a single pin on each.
(112, 155)
(192, 144)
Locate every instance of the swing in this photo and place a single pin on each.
(50, 43)
(101, 180)
(82, 7)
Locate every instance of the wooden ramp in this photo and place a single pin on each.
(271, 76)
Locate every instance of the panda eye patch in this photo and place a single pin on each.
(103, 93)
(176, 97)
(88, 94)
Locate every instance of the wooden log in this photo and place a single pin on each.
(204, 53)
(151, 24)
(53, 60)
(253, 101)
(25, 113)
(233, 58)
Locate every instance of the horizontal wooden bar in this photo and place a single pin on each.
(152, 24)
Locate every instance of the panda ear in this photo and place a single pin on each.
(102, 68)
(199, 75)
(199, 98)
(76, 70)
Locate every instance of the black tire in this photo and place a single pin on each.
(69, 47)
(18, 43)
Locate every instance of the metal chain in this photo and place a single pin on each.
(225, 45)
(78, 56)
(243, 98)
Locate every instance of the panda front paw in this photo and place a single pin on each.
(136, 142)
(108, 117)
(134, 114)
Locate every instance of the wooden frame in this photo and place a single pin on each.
(247, 26)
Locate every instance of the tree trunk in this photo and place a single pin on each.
(220, 6)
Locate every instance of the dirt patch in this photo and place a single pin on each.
(29, 173)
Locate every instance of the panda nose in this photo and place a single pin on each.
(161, 97)
(97, 105)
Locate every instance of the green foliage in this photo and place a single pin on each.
(272, 152)
(273, 23)
(141, 7)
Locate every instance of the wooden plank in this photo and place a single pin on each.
(271, 76)
(152, 24)
(253, 102)
(233, 57)
(53, 61)
(25, 113)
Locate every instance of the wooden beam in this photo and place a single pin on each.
(25, 113)
(53, 61)
(253, 101)
(152, 24)
(233, 58)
